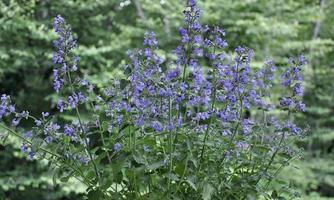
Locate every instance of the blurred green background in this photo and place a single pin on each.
(106, 29)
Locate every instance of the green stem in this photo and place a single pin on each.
(101, 135)
(183, 174)
(233, 135)
(48, 152)
(272, 158)
(274, 154)
(83, 131)
(170, 146)
(276, 173)
(238, 123)
(183, 81)
(208, 127)
(210, 122)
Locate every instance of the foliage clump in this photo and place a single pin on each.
(202, 126)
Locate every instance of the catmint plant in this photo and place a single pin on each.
(204, 126)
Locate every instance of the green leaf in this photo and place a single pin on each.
(3, 137)
(119, 177)
(55, 176)
(95, 195)
(155, 166)
(107, 183)
(154, 179)
(172, 177)
(68, 176)
(207, 191)
(274, 194)
(139, 158)
(90, 175)
(192, 184)
(64, 179)
(123, 83)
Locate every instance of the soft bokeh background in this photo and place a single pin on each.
(106, 29)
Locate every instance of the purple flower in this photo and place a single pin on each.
(64, 46)
(146, 148)
(202, 116)
(28, 134)
(117, 147)
(45, 114)
(246, 126)
(179, 122)
(148, 53)
(60, 105)
(48, 139)
(31, 154)
(58, 23)
(273, 121)
(198, 52)
(173, 73)
(297, 89)
(240, 145)
(220, 42)
(75, 99)
(69, 130)
(292, 128)
(16, 121)
(198, 39)
(184, 35)
(2, 111)
(75, 63)
(204, 91)
(287, 102)
(227, 115)
(191, 3)
(226, 132)
(201, 128)
(51, 128)
(212, 56)
(208, 42)
(302, 60)
(170, 127)
(182, 31)
(301, 106)
(38, 122)
(139, 122)
(240, 50)
(24, 114)
(150, 39)
(24, 148)
(84, 160)
(157, 126)
(119, 119)
(291, 75)
(6, 107)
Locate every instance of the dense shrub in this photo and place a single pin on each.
(203, 126)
